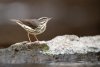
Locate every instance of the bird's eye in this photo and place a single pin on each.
(43, 19)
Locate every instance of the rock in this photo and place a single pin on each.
(66, 48)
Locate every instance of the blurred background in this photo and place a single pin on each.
(78, 17)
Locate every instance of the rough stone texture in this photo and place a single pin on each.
(66, 48)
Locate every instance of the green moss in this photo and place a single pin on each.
(44, 47)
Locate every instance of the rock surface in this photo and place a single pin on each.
(66, 48)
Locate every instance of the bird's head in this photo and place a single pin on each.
(44, 20)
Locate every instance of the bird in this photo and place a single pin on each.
(33, 26)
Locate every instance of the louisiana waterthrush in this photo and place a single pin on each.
(33, 26)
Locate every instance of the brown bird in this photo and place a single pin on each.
(33, 26)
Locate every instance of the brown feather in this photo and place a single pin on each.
(33, 23)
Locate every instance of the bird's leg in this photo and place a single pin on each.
(36, 38)
(29, 37)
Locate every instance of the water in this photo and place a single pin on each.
(53, 65)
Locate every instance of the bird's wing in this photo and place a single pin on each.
(30, 23)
